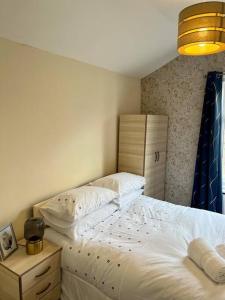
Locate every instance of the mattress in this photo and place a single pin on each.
(141, 252)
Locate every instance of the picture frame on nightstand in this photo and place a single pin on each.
(8, 242)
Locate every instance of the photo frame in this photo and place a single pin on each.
(8, 242)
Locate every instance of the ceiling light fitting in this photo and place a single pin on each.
(201, 29)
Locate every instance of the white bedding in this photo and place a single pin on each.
(141, 252)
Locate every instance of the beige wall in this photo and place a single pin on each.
(177, 90)
(58, 125)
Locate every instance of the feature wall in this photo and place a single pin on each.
(177, 90)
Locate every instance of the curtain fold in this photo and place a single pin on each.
(207, 187)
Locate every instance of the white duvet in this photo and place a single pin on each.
(141, 253)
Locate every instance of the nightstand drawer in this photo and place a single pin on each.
(40, 272)
(44, 287)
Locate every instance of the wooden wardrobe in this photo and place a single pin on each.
(142, 150)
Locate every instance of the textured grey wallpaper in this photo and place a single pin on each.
(177, 90)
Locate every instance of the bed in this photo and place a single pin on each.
(140, 252)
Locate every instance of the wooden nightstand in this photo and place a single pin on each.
(31, 277)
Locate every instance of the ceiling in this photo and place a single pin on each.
(132, 37)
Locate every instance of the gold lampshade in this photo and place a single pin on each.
(201, 29)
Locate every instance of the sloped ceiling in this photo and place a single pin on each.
(132, 37)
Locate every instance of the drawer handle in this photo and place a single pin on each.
(44, 290)
(44, 272)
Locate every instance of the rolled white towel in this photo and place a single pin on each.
(221, 250)
(207, 259)
(197, 250)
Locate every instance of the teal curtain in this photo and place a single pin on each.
(207, 188)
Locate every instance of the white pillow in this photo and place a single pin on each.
(75, 229)
(122, 183)
(76, 203)
(125, 200)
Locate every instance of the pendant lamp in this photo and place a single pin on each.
(201, 29)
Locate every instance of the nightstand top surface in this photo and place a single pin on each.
(19, 262)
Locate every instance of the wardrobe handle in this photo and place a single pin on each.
(158, 156)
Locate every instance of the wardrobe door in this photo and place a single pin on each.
(155, 174)
(155, 155)
(132, 144)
